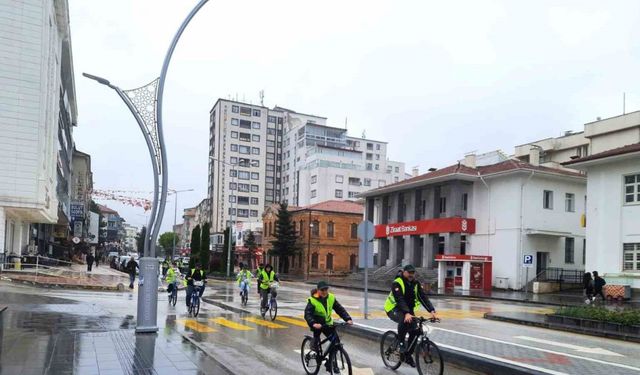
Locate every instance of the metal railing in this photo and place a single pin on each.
(560, 276)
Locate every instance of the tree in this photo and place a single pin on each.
(225, 249)
(195, 246)
(204, 247)
(140, 240)
(286, 242)
(251, 246)
(166, 242)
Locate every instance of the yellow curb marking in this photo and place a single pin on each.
(264, 323)
(229, 324)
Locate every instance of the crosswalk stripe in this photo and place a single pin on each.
(264, 323)
(294, 321)
(229, 324)
(198, 327)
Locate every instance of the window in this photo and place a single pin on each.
(256, 112)
(377, 156)
(233, 160)
(244, 124)
(234, 147)
(233, 173)
(381, 183)
(339, 179)
(315, 228)
(234, 121)
(352, 194)
(235, 109)
(330, 261)
(245, 111)
(369, 156)
(465, 199)
(269, 180)
(255, 125)
(631, 256)
(354, 231)
(313, 194)
(254, 213)
(632, 189)
(255, 138)
(369, 166)
(244, 150)
(443, 205)
(243, 212)
(255, 175)
(243, 187)
(232, 199)
(314, 260)
(243, 175)
(255, 188)
(232, 211)
(271, 155)
(338, 193)
(547, 199)
(570, 202)
(441, 244)
(233, 186)
(254, 200)
(271, 119)
(569, 243)
(245, 137)
(314, 179)
(377, 167)
(255, 163)
(424, 208)
(243, 200)
(330, 229)
(271, 131)
(234, 134)
(255, 150)
(367, 182)
(271, 144)
(397, 169)
(369, 146)
(378, 147)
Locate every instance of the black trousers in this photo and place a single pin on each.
(404, 328)
(599, 293)
(326, 330)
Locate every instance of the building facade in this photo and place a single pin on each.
(503, 210)
(129, 241)
(38, 112)
(328, 237)
(188, 223)
(81, 187)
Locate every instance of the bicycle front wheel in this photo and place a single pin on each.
(195, 305)
(174, 297)
(341, 364)
(310, 358)
(429, 358)
(273, 311)
(390, 351)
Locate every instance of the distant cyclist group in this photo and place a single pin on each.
(409, 345)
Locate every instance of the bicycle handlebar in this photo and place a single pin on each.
(422, 319)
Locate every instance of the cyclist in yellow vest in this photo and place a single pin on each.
(405, 297)
(265, 278)
(196, 274)
(318, 312)
(172, 277)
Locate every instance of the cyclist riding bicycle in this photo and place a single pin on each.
(265, 278)
(171, 278)
(405, 297)
(318, 312)
(195, 274)
(244, 276)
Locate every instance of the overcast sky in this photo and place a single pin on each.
(434, 79)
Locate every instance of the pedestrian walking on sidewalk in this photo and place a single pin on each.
(131, 268)
(598, 284)
(90, 260)
(587, 285)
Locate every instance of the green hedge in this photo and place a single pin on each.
(629, 317)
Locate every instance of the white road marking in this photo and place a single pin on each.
(577, 348)
(514, 344)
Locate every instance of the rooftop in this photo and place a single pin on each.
(347, 207)
(106, 210)
(628, 149)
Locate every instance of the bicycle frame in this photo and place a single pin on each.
(421, 336)
(335, 343)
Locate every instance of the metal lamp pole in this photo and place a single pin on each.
(175, 217)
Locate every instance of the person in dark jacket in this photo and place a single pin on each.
(195, 274)
(598, 284)
(131, 268)
(318, 312)
(587, 285)
(405, 297)
(90, 260)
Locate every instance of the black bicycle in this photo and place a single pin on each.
(272, 303)
(428, 357)
(194, 306)
(173, 296)
(334, 354)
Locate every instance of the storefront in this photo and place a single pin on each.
(465, 272)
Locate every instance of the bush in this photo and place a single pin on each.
(628, 317)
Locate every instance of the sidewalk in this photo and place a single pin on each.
(100, 278)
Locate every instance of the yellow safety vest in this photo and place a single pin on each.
(391, 303)
(266, 279)
(320, 310)
(171, 275)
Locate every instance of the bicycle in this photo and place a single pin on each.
(244, 294)
(173, 297)
(272, 304)
(427, 354)
(194, 306)
(335, 354)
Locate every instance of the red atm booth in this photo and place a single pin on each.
(466, 272)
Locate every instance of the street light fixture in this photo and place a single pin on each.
(231, 221)
(175, 217)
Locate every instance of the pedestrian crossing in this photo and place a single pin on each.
(211, 325)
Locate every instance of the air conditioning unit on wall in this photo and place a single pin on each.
(502, 282)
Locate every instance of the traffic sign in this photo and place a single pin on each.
(527, 261)
(366, 231)
(365, 257)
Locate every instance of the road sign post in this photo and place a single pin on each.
(527, 262)
(365, 235)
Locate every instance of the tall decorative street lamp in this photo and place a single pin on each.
(175, 217)
(231, 221)
(145, 103)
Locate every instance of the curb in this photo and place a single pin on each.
(561, 327)
(200, 348)
(69, 286)
(469, 361)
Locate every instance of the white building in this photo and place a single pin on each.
(506, 209)
(37, 113)
(130, 234)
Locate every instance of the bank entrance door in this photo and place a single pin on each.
(542, 258)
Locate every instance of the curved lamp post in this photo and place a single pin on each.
(145, 103)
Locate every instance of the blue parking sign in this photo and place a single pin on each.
(527, 261)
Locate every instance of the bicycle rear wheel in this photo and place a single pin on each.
(273, 311)
(389, 350)
(245, 298)
(429, 358)
(174, 296)
(340, 361)
(310, 358)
